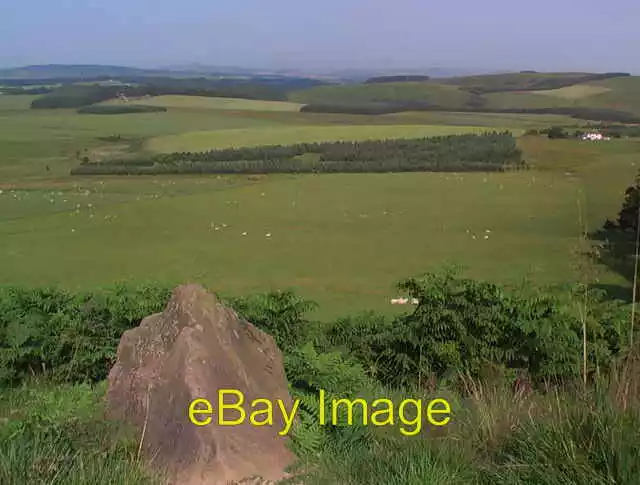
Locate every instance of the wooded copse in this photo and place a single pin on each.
(470, 152)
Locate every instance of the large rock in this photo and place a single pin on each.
(190, 351)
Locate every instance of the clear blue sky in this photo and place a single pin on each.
(488, 34)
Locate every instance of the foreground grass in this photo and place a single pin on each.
(57, 435)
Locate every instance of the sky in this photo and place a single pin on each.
(545, 35)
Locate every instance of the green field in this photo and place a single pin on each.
(410, 91)
(343, 240)
(493, 120)
(577, 91)
(209, 140)
(501, 91)
(214, 103)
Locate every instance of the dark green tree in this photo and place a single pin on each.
(628, 215)
(557, 132)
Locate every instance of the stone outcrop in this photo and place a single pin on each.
(190, 351)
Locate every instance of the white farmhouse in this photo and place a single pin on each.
(595, 137)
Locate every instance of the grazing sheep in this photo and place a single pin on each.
(404, 301)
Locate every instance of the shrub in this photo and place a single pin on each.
(461, 325)
(65, 336)
(281, 314)
(557, 132)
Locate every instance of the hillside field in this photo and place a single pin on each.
(200, 102)
(210, 140)
(503, 91)
(343, 240)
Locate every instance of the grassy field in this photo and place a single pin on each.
(209, 140)
(201, 102)
(490, 120)
(340, 239)
(440, 94)
(577, 91)
(343, 240)
(619, 93)
(505, 91)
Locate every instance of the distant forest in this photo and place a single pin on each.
(78, 95)
(397, 79)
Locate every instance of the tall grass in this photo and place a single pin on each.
(57, 436)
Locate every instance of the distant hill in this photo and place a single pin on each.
(397, 79)
(69, 73)
(53, 71)
(526, 80)
(592, 96)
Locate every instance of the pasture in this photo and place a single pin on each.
(343, 240)
(577, 91)
(200, 102)
(405, 91)
(247, 137)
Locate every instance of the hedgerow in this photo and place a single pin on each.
(68, 336)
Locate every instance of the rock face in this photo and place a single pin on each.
(190, 351)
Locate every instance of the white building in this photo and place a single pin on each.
(595, 137)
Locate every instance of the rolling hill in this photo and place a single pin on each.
(605, 97)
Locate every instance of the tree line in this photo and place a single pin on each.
(471, 152)
(397, 79)
(24, 90)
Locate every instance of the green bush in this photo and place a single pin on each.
(459, 325)
(281, 314)
(65, 336)
(557, 132)
(462, 325)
